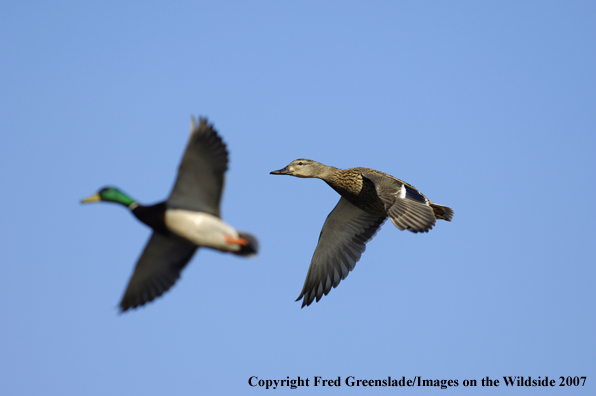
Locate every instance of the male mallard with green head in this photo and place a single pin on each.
(188, 219)
(368, 197)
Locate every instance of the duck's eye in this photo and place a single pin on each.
(300, 163)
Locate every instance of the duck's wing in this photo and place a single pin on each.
(157, 270)
(200, 178)
(341, 243)
(407, 208)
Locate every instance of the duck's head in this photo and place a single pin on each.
(110, 194)
(303, 168)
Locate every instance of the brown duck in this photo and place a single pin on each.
(368, 197)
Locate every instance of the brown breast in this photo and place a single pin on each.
(359, 191)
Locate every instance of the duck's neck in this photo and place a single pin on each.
(324, 172)
(119, 197)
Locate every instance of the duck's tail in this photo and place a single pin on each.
(442, 212)
(248, 250)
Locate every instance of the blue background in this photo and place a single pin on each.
(486, 107)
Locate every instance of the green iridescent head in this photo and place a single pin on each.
(110, 194)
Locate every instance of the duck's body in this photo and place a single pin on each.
(359, 188)
(368, 197)
(204, 229)
(188, 219)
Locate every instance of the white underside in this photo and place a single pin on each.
(201, 228)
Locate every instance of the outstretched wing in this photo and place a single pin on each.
(407, 208)
(200, 178)
(343, 238)
(158, 269)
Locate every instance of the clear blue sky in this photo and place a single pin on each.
(487, 107)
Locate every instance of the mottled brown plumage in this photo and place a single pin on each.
(368, 198)
(361, 192)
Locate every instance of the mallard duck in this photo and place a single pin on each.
(188, 219)
(368, 197)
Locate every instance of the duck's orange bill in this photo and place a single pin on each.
(236, 241)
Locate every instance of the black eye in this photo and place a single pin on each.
(300, 163)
